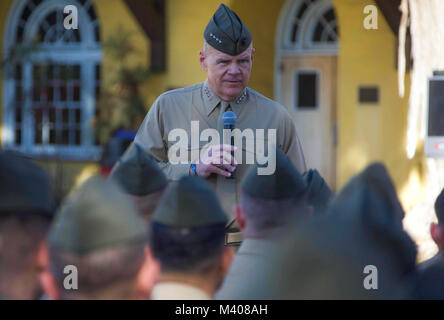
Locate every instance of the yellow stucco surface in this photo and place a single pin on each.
(113, 16)
(185, 23)
(370, 133)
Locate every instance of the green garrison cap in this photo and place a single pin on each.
(189, 203)
(319, 194)
(370, 204)
(24, 186)
(137, 172)
(285, 182)
(372, 195)
(96, 216)
(226, 32)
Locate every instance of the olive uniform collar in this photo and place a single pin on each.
(212, 100)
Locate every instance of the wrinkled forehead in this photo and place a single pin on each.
(222, 55)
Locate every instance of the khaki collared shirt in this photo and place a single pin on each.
(177, 108)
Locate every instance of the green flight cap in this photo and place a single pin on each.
(370, 203)
(96, 216)
(319, 194)
(137, 172)
(284, 183)
(372, 195)
(189, 203)
(226, 32)
(24, 187)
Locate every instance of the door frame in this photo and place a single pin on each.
(282, 50)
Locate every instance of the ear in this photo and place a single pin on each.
(240, 218)
(227, 258)
(202, 60)
(252, 54)
(435, 234)
(42, 256)
(47, 280)
(148, 275)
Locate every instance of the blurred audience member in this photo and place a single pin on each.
(26, 211)
(100, 238)
(187, 237)
(114, 148)
(269, 203)
(141, 178)
(431, 272)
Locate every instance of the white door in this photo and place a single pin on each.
(308, 87)
(306, 78)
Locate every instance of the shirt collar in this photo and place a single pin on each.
(212, 100)
(177, 291)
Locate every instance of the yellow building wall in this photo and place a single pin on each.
(370, 133)
(262, 23)
(185, 24)
(114, 16)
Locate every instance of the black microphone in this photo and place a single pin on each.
(229, 120)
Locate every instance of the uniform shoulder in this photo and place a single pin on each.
(180, 92)
(174, 99)
(267, 103)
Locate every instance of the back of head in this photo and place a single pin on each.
(98, 231)
(24, 187)
(188, 228)
(439, 208)
(26, 210)
(368, 204)
(269, 201)
(141, 178)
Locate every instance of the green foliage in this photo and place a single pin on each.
(120, 105)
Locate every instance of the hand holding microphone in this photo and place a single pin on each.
(218, 159)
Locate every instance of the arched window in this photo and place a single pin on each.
(310, 25)
(51, 80)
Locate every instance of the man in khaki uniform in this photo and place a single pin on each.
(227, 59)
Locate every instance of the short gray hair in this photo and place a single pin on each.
(206, 47)
(99, 269)
(263, 215)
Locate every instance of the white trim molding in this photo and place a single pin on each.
(304, 45)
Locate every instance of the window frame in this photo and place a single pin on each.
(307, 25)
(296, 74)
(86, 53)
